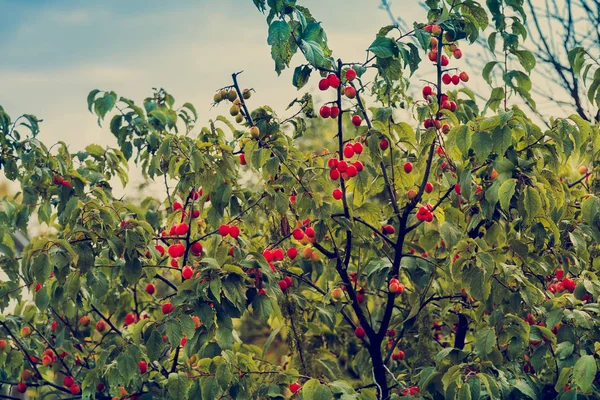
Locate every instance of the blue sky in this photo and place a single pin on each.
(55, 52)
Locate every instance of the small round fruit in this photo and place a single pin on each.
(234, 110)
(3, 345)
(583, 170)
(22, 387)
(351, 171)
(334, 112)
(446, 78)
(25, 331)
(427, 91)
(457, 54)
(350, 75)
(217, 97)
(349, 151)
(242, 159)
(383, 144)
(400, 355)
(444, 61)
(68, 381)
(234, 231)
(334, 174)
(445, 128)
(464, 76)
(307, 253)
(294, 387)
(494, 175)
(337, 194)
(432, 55)
(411, 194)
(143, 367)
(130, 319)
(298, 234)
(324, 84)
(334, 81)
(255, 132)
(46, 360)
(455, 79)
(187, 272)
(282, 285)
(360, 332)
(246, 93)
(408, 167)
(224, 230)
(358, 148)
(84, 321)
(337, 293)
(239, 118)
(356, 120)
(325, 112)
(436, 30)
(231, 95)
(292, 252)
(428, 187)
(100, 327)
(167, 308)
(359, 166)
(350, 92)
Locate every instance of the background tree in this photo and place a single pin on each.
(450, 256)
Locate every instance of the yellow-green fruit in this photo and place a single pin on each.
(218, 97)
(307, 253)
(223, 94)
(246, 93)
(237, 102)
(337, 293)
(234, 110)
(239, 118)
(254, 132)
(231, 95)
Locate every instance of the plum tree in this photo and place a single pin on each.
(453, 255)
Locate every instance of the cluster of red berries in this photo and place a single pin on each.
(69, 382)
(455, 79)
(411, 391)
(340, 168)
(563, 285)
(60, 181)
(299, 233)
(179, 229)
(360, 293)
(285, 283)
(176, 250)
(187, 272)
(231, 230)
(388, 229)
(395, 286)
(333, 81)
(398, 355)
(424, 213)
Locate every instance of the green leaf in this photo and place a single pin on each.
(464, 393)
(41, 267)
(314, 390)
(178, 385)
(313, 52)
(584, 372)
(384, 47)
(532, 203)
(301, 75)
(485, 341)
(482, 145)
(463, 139)
(262, 307)
(487, 70)
(526, 58)
(154, 345)
(506, 192)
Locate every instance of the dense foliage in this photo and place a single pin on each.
(452, 255)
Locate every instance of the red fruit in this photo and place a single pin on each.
(100, 327)
(348, 151)
(160, 249)
(446, 78)
(445, 128)
(183, 341)
(173, 251)
(452, 106)
(560, 274)
(350, 92)
(292, 199)
(75, 389)
(428, 187)
(400, 355)
(262, 292)
(360, 332)
(292, 252)
(337, 194)
(3, 345)
(68, 381)
(100, 387)
(182, 229)
(282, 285)
(187, 272)
(130, 319)
(177, 206)
(278, 254)
(196, 248)
(444, 61)
(428, 123)
(412, 193)
(298, 234)
(310, 232)
(324, 84)
(432, 55)
(65, 183)
(569, 284)
(46, 360)
(351, 171)
(268, 255)
(288, 281)
(428, 28)
(427, 91)
(332, 163)
(195, 194)
(388, 229)
(294, 387)
(334, 174)
(242, 159)
(334, 81)
(325, 112)
(464, 76)
(455, 79)
(436, 30)
(167, 308)
(150, 288)
(457, 189)
(359, 166)
(383, 144)
(334, 112)
(342, 166)
(350, 75)
(84, 321)
(234, 231)
(408, 167)
(358, 148)
(457, 54)
(224, 230)
(143, 367)
(22, 387)
(356, 120)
